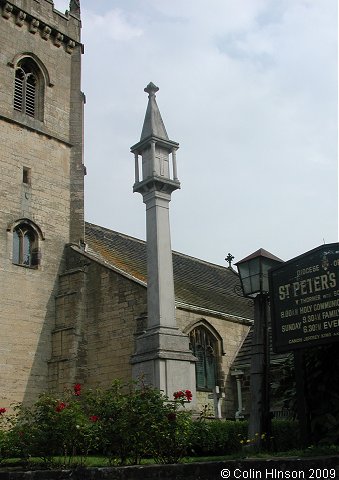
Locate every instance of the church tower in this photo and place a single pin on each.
(162, 352)
(41, 182)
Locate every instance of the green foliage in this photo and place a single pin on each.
(283, 387)
(52, 426)
(126, 422)
(136, 421)
(321, 391)
(322, 369)
(5, 425)
(285, 435)
(217, 437)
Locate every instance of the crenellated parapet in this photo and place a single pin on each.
(63, 30)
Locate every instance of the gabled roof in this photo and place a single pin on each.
(198, 284)
(243, 358)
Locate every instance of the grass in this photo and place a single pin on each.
(312, 451)
(99, 461)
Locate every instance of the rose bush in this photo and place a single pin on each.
(136, 421)
(54, 426)
(125, 422)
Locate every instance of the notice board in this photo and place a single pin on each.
(304, 298)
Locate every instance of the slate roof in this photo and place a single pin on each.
(243, 358)
(198, 284)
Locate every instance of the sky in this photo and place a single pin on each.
(249, 90)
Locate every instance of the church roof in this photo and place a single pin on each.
(198, 284)
(243, 358)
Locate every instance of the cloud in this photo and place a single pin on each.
(248, 89)
(113, 25)
(61, 5)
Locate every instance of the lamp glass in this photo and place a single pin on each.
(266, 264)
(250, 276)
(253, 272)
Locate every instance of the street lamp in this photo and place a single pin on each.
(253, 272)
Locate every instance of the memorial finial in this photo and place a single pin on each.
(151, 89)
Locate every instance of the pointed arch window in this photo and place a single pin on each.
(25, 246)
(28, 89)
(205, 347)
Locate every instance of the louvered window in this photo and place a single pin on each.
(204, 347)
(25, 89)
(25, 246)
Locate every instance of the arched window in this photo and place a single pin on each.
(28, 88)
(25, 246)
(205, 347)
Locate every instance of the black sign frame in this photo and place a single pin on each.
(304, 299)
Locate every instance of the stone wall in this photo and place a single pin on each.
(97, 312)
(50, 147)
(306, 468)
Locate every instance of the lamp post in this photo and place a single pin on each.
(253, 272)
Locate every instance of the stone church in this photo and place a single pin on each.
(81, 303)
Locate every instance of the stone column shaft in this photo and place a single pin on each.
(160, 285)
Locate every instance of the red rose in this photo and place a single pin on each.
(188, 395)
(178, 395)
(2, 410)
(77, 389)
(183, 394)
(60, 406)
(94, 418)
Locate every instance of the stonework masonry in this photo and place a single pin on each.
(50, 147)
(96, 322)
